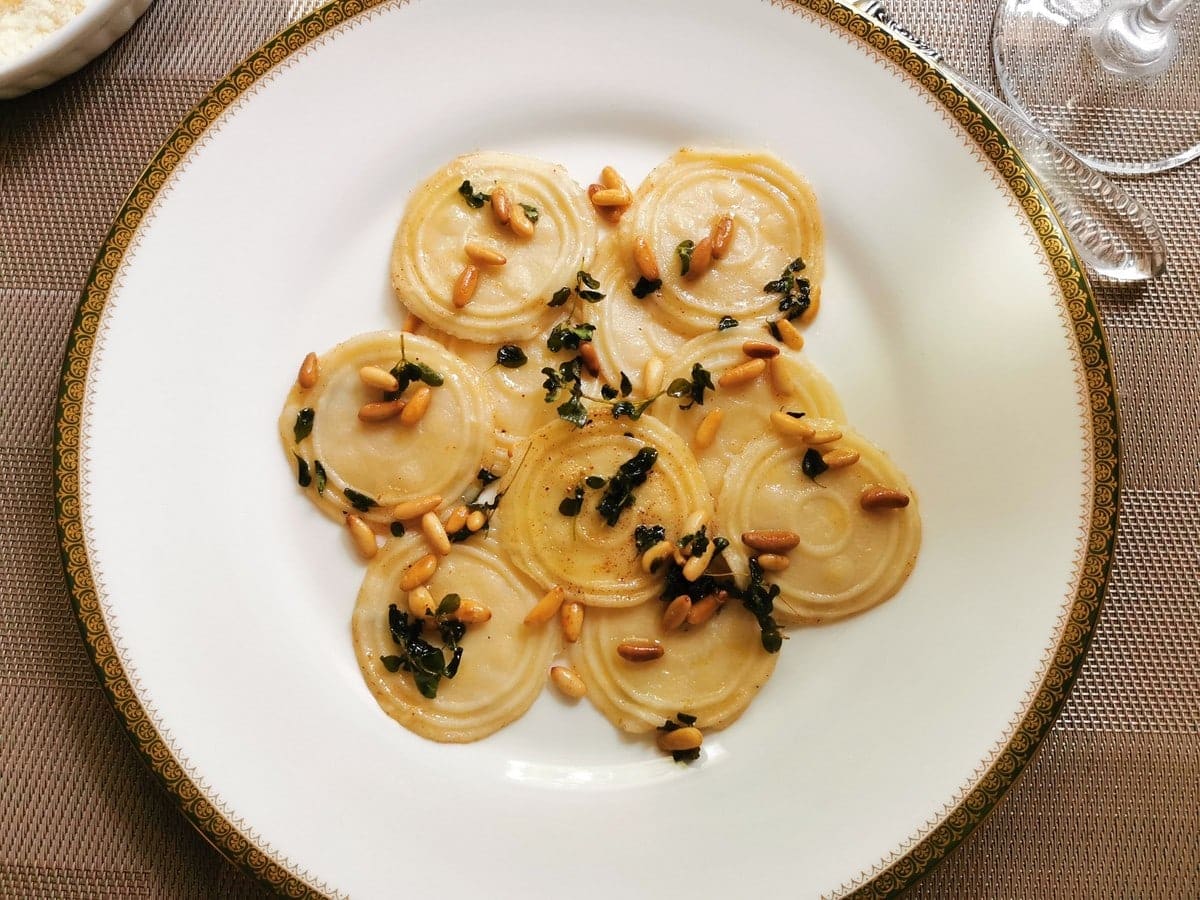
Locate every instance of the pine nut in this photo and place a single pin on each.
(695, 567)
(465, 285)
(435, 533)
(520, 225)
(382, 410)
(411, 324)
(381, 379)
(676, 612)
(792, 338)
(780, 377)
(611, 214)
(706, 431)
(612, 197)
(456, 519)
(640, 650)
(773, 562)
(701, 259)
(643, 256)
(483, 255)
(476, 520)
(696, 520)
(568, 681)
(652, 375)
(310, 371)
(571, 617)
(412, 509)
(419, 572)
(760, 350)
(771, 541)
(611, 178)
(704, 609)
(791, 426)
(840, 458)
(825, 435)
(544, 610)
(418, 405)
(876, 496)
(363, 536)
(472, 612)
(722, 236)
(591, 359)
(420, 602)
(501, 205)
(742, 373)
(689, 738)
(656, 554)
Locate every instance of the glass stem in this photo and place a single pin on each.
(1138, 38)
(1160, 12)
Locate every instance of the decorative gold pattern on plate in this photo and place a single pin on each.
(235, 840)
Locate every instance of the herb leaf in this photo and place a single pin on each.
(304, 424)
(475, 199)
(361, 502)
(568, 336)
(573, 410)
(486, 477)
(425, 662)
(632, 473)
(812, 465)
(570, 506)
(727, 322)
(645, 287)
(608, 392)
(759, 599)
(531, 212)
(795, 290)
(646, 536)
(511, 356)
(397, 529)
(595, 482)
(626, 385)
(561, 296)
(684, 251)
(303, 476)
(320, 473)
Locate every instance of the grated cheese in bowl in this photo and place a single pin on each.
(26, 23)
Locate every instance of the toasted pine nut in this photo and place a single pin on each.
(420, 602)
(543, 611)
(465, 285)
(776, 541)
(792, 338)
(773, 562)
(363, 537)
(676, 612)
(652, 375)
(876, 496)
(611, 214)
(382, 410)
(694, 567)
(840, 457)
(760, 350)
(643, 256)
(780, 377)
(706, 431)
(591, 359)
(456, 520)
(435, 533)
(791, 426)
(472, 612)
(742, 373)
(701, 258)
(570, 615)
(689, 738)
(697, 519)
(411, 509)
(612, 197)
(656, 554)
(640, 650)
(376, 377)
(501, 205)
(483, 255)
(411, 324)
(568, 681)
(520, 225)
(722, 236)
(825, 435)
(310, 370)
(419, 572)
(680, 557)
(476, 520)
(611, 178)
(704, 609)
(418, 405)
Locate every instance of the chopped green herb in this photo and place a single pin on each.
(449, 605)
(531, 212)
(773, 327)
(573, 410)
(302, 473)
(727, 322)
(684, 251)
(568, 336)
(426, 662)
(646, 286)
(319, 470)
(646, 536)
(694, 388)
(631, 409)
(794, 289)
(587, 287)
(812, 464)
(759, 599)
(304, 424)
(595, 482)
(397, 529)
(511, 356)
(361, 502)
(631, 473)
(682, 720)
(475, 199)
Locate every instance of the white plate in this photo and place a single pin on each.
(955, 324)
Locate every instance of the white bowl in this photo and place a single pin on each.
(71, 47)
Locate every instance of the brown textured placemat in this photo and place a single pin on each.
(1111, 805)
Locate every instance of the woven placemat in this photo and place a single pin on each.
(1111, 805)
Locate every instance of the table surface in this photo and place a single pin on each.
(1109, 807)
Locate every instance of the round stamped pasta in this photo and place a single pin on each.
(711, 671)
(504, 661)
(383, 463)
(629, 331)
(849, 559)
(594, 562)
(776, 220)
(789, 382)
(510, 300)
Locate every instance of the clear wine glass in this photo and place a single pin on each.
(1115, 81)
